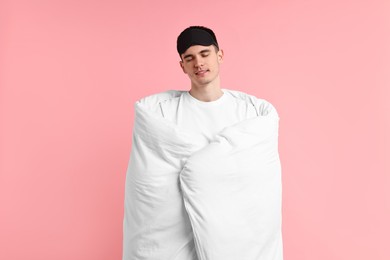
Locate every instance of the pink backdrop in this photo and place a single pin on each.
(70, 72)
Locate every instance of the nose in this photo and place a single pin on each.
(198, 62)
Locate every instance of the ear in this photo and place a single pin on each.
(220, 56)
(182, 66)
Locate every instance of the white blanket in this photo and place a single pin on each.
(188, 199)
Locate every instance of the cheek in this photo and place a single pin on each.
(187, 68)
(183, 67)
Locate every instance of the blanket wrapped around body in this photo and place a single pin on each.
(187, 198)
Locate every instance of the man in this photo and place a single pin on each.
(203, 180)
(205, 108)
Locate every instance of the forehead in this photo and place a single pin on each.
(195, 49)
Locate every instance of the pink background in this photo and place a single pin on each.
(70, 72)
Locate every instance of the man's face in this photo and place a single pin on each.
(201, 64)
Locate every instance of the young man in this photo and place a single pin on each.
(204, 176)
(205, 109)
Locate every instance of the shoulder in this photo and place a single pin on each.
(154, 101)
(160, 97)
(262, 106)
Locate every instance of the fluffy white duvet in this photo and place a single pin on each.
(187, 198)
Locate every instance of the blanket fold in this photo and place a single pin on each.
(187, 198)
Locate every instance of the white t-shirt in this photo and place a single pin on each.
(206, 118)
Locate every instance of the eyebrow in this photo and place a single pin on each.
(201, 52)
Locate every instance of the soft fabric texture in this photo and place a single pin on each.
(206, 118)
(190, 198)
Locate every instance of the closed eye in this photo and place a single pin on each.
(205, 53)
(188, 57)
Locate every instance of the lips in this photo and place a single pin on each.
(201, 72)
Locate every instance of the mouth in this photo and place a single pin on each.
(201, 72)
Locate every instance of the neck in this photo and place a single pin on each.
(206, 93)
